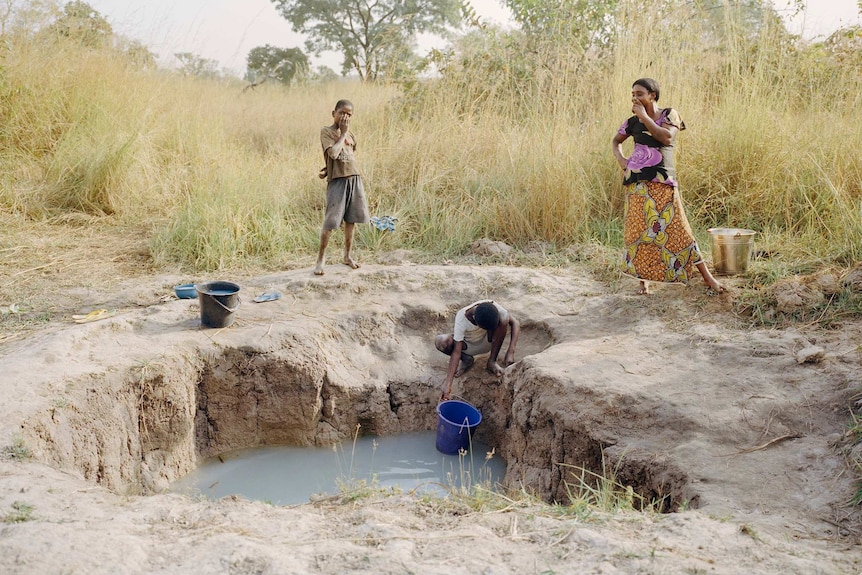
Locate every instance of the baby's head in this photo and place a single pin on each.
(487, 316)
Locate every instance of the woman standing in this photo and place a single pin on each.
(660, 245)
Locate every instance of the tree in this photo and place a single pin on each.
(139, 54)
(368, 34)
(743, 18)
(582, 24)
(281, 64)
(7, 9)
(82, 22)
(324, 74)
(194, 65)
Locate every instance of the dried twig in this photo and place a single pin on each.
(253, 85)
(626, 370)
(769, 443)
(840, 526)
(772, 415)
(55, 262)
(561, 539)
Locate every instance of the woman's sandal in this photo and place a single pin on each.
(94, 315)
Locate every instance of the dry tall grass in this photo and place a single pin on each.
(226, 177)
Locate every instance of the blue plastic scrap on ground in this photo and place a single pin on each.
(268, 296)
(384, 223)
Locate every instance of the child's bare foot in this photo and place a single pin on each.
(318, 269)
(349, 261)
(496, 369)
(466, 363)
(643, 290)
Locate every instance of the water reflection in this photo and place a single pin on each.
(289, 475)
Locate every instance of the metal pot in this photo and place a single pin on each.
(731, 249)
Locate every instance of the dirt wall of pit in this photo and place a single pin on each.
(141, 427)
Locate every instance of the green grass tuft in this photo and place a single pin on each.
(20, 513)
(18, 450)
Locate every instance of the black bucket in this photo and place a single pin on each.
(218, 302)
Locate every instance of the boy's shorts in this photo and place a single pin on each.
(345, 202)
(477, 348)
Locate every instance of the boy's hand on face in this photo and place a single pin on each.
(344, 123)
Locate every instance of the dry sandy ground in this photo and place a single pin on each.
(757, 424)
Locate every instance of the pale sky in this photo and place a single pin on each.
(226, 30)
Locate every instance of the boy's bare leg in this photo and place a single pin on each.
(348, 244)
(324, 241)
(467, 362)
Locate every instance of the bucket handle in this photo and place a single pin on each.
(466, 419)
(228, 309)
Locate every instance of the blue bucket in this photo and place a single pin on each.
(456, 422)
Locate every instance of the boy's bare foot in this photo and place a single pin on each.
(644, 289)
(318, 269)
(349, 261)
(496, 369)
(466, 363)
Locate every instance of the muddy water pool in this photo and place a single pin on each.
(286, 475)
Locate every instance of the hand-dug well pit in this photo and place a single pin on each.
(374, 370)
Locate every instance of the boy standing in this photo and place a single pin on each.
(345, 194)
(479, 328)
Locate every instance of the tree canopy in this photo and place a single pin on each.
(194, 65)
(372, 36)
(81, 21)
(280, 64)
